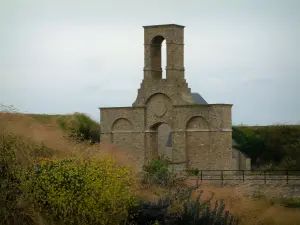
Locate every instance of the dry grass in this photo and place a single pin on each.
(249, 210)
(49, 133)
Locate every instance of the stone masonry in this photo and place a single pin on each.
(200, 133)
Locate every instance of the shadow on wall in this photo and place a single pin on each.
(240, 161)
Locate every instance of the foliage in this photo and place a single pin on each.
(36, 188)
(80, 127)
(279, 144)
(249, 142)
(157, 172)
(191, 211)
(195, 172)
(15, 153)
(287, 202)
(93, 191)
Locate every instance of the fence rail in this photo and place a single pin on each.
(246, 175)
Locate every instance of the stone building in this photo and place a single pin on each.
(200, 132)
(240, 160)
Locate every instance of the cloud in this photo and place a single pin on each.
(55, 58)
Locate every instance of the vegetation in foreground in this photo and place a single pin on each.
(177, 206)
(73, 191)
(38, 189)
(157, 172)
(287, 202)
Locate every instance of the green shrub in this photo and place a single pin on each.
(9, 191)
(15, 153)
(157, 172)
(80, 127)
(195, 172)
(249, 142)
(189, 212)
(279, 144)
(79, 192)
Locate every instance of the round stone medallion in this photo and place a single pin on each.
(159, 108)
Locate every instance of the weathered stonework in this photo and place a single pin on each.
(201, 133)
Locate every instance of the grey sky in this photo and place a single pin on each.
(61, 56)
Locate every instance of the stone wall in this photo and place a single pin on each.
(205, 130)
(198, 140)
(124, 127)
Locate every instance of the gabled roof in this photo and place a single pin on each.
(198, 98)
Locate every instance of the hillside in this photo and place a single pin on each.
(279, 144)
(47, 129)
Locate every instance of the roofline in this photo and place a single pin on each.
(206, 105)
(123, 107)
(164, 25)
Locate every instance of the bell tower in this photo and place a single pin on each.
(153, 37)
(175, 85)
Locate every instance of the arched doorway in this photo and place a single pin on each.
(161, 139)
(164, 141)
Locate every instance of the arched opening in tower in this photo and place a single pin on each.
(164, 59)
(158, 57)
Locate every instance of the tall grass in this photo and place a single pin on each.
(176, 206)
(16, 154)
(38, 190)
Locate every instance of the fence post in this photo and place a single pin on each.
(243, 176)
(287, 177)
(265, 177)
(222, 176)
(201, 176)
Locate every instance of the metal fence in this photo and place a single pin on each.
(246, 175)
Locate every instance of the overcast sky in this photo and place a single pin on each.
(59, 56)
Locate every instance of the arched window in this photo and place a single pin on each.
(158, 57)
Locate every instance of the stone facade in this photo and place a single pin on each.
(200, 133)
